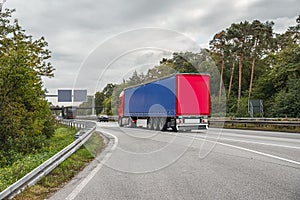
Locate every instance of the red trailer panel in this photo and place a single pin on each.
(121, 104)
(193, 94)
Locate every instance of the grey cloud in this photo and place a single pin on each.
(273, 9)
(75, 28)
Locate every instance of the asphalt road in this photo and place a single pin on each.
(214, 164)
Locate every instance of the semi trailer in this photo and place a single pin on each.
(176, 102)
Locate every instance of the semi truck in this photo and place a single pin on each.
(69, 112)
(176, 102)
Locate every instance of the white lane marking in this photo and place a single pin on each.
(250, 150)
(252, 142)
(261, 153)
(245, 149)
(85, 181)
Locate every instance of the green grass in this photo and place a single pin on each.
(63, 136)
(65, 171)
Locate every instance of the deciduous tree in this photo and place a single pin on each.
(25, 120)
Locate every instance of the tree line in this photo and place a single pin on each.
(25, 117)
(247, 60)
(267, 63)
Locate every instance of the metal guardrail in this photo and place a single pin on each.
(258, 121)
(39, 172)
(72, 123)
(95, 117)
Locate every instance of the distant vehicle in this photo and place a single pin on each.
(178, 102)
(103, 118)
(69, 112)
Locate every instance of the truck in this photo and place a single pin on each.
(69, 112)
(179, 102)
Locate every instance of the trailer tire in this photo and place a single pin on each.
(162, 126)
(155, 123)
(150, 123)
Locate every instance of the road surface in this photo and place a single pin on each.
(214, 164)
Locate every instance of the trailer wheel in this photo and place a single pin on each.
(156, 123)
(162, 126)
(150, 123)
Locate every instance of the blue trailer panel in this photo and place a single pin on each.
(143, 100)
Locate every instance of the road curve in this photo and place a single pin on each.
(213, 164)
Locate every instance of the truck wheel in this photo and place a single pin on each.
(162, 124)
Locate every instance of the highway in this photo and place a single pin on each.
(213, 164)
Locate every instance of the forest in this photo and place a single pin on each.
(246, 61)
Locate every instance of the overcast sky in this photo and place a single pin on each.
(114, 35)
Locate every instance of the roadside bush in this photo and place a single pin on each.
(25, 117)
(23, 164)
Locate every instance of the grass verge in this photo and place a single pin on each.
(62, 137)
(65, 171)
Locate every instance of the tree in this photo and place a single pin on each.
(243, 43)
(231, 77)
(262, 41)
(101, 99)
(82, 108)
(286, 102)
(135, 79)
(279, 87)
(165, 68)
(238, 36)
(25, 117)
(291, 36)
(217, 45)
